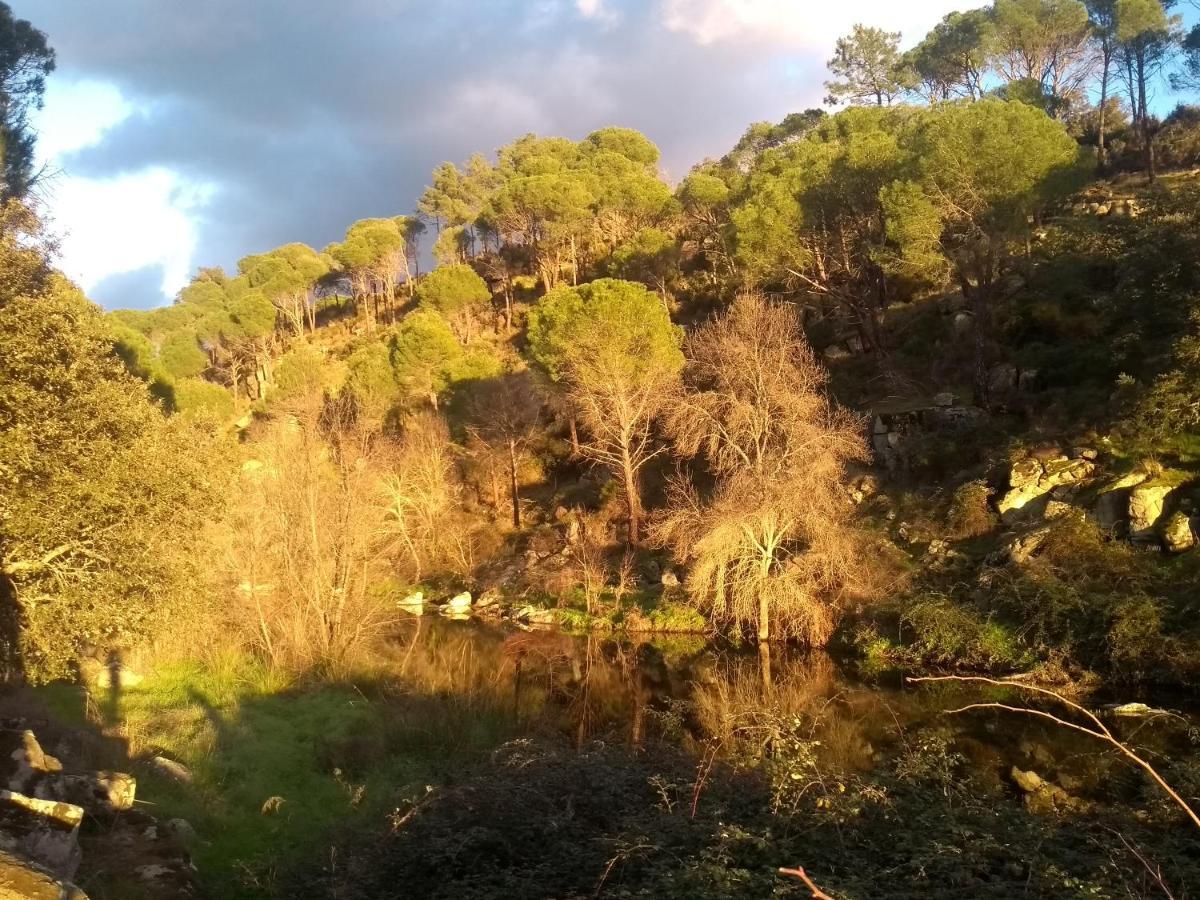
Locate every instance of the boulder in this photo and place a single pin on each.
(1027, 781)
(413, 604)
(180, 829)
(99, 793)
(23, 763)
(944, 399)
(1146, 503)
(459, 602)
(669, 579)
(1177, 533)
(169, 768)
(1025, 472)
(531, 615)
(1019, 548)
(1043, 796)
(22, 879)
(864, 488)
(46, 831)
(962, 323)
(1111, 510)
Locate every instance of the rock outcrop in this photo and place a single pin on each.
(45, 831)
(1030, 479)
(21, 879)
(44, 807)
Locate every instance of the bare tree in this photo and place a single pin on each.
(771, 545)
(421, 494)
(307, 542)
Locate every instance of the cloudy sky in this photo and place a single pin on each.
(189, 134)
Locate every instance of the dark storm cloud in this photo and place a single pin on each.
(306, 115)
(140, 289)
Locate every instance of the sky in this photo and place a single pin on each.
(191, 134)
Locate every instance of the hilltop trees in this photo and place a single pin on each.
(874, 201)
(563, 205)
(867, 68)
(951, 60)
(1045, 44)
(769, 546)
(812, 215)
(458, 293)
(374, 254)
(287, 276)
(983, 172)
(1147, 40)
(611, 347)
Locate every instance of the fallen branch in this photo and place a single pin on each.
(1100, 731)
(817, 893)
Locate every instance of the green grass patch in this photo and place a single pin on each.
(334, 755)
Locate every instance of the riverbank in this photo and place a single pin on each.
(600, 748)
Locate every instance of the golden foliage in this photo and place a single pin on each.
(771, 546)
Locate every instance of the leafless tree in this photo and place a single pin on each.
(771, 544)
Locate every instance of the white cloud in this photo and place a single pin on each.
(113, 225)
(127, 223)
(801, 25)
(76, 115)
(597, 10)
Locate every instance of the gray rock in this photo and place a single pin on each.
(180, 829)
(669, 579)
(1021, 547)
(23, 762)
(46, 831)
(169, 768)
(98, 792)
(1177, 533)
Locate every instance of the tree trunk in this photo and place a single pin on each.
(633, 501)
(516, 495)
(1101, 160)
(764, 663)
(1147, 142)
(764, 619)
(574, 428)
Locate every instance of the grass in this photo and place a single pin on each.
(334, 755)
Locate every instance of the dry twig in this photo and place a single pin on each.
(1100, 731)
(799, 872)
